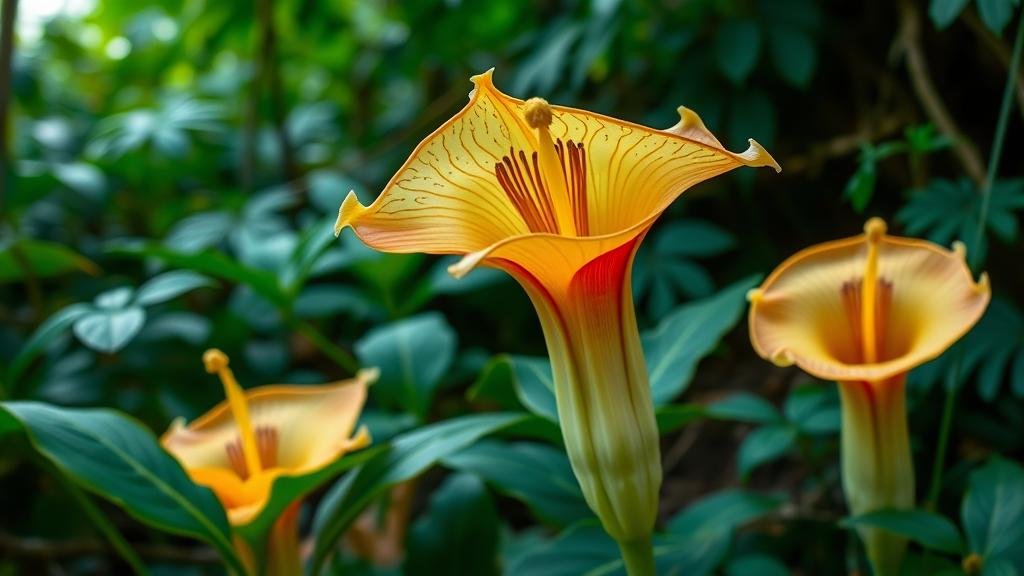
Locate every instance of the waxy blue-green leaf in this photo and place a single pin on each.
(108, 328)
(114, 457)
(928, 529)
(170, 285)
(687, 335)
(744, 407)
(993, 513)
(458, 533)
(54, 327)
(537, 474)
(764, 444)
(413, 356)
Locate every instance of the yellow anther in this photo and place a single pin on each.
(874, 229)
(216, 362)
(537, 113)
(972, 564)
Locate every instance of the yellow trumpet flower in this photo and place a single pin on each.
(560, 199)
(863, 312)
(240, 447)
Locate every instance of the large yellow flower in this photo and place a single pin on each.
(560, 199)
(243, 444)
(864, 311)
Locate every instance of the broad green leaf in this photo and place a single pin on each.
(996, 14)
(212, 263)
(763, 445)
(580, 550)
(814, 408)
(289, 489)
(528, 377)
(993, 512)
(692, 238)
(413, 355)
(25, 257)
(48, 331)
(537, 474)
(744, 407)
(688, 334)
(928, 529)
(944, 12)
(723, 511)
(737, 48)
(199, 231)
(109, 329)
(458, 533)
(759, 564)
(794, 55)
(119, 460)
(170, 285)
(410, 454)
(322, 300)
(313, 243)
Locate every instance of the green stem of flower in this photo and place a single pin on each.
(947, 423)
(638, 557)
(997, 141)
(340, 356)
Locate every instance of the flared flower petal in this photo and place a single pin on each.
(504, 170)
(297, 429)
(810, 311)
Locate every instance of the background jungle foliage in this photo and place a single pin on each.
(172, 168)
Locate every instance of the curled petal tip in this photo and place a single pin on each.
(368, 375)
(691, 126)
(874, 229)
(466, 264)
(960, 249)
(755, 155)
(983, 286)
(482, 79)
(755, 295)
(350, 209)
(214, 360)
(783, 357)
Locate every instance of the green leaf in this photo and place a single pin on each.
(410, 455)
(54, 327)
(763, 445)
(737, 48)
(170, 285)
(212, 263)
(861, 186)
(996, 14)
(693, 238)
(723, 511)
(814, 408)
(794, 55)
(993, 512)
(759, 564)
(289, 489)
(527, 377)
(458, 534)
(744, 407)
(688, 334)
(944, 12)
(25, 257)
(413, 355)
(586, 549)
(119, 460)
(538, 475)
(928, 529)
(109, 329)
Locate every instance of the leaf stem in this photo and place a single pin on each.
(638, 557)
(1000, 136)
(340, 356)
(952, 386)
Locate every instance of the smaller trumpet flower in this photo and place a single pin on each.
(863, 312)
(240, 447)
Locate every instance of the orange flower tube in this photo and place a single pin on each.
(560, 199)
(240, 447)
(863, 312)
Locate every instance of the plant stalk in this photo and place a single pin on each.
(1000, 136)
(638, 557)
